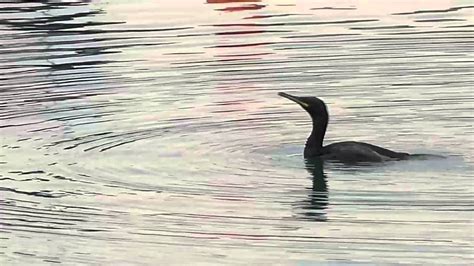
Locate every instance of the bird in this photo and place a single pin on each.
(344, 152)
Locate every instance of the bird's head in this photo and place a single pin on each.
(314, 106)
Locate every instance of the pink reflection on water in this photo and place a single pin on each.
(230, 1)
(233, 40)
(241, 8)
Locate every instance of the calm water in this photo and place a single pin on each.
(151, 133)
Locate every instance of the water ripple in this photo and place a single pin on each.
(159, 126)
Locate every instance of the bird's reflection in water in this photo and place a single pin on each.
(314, 208)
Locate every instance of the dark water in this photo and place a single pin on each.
(152, 133)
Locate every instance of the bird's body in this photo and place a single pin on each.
(347, 151)
(352, 151)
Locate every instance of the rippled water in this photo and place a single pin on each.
(150, 132)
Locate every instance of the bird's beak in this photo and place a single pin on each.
(294, 99)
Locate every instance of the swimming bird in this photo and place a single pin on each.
(345, 152)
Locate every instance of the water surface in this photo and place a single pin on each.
(145, 132)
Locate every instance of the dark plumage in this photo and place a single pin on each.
(347, 151)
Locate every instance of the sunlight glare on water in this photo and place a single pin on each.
(145, 132)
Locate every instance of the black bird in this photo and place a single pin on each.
(345, 152)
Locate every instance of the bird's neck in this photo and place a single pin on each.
(314, 144)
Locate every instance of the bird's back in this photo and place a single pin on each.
(352, 151)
